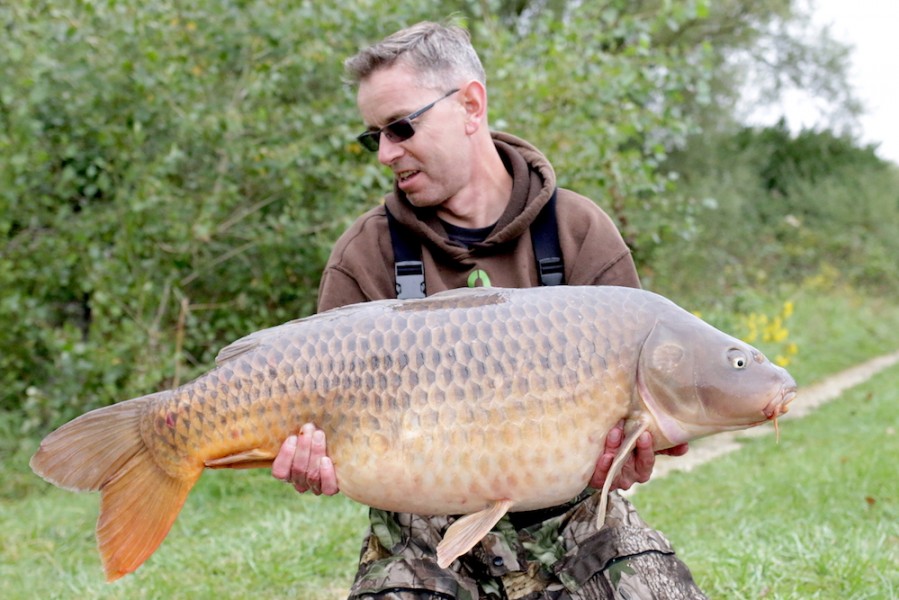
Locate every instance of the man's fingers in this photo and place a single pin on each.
(676, 450)
(614, 437)
(625, 478)
(282, 463)
(638, 466)
(300, 464)
(313, 466)
(328, 477)
(303, 462)
(317, 450)
(644, 459)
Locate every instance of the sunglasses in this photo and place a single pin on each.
(399, 130)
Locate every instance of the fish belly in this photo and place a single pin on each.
(537, 453)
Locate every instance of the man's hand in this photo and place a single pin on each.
(638, 466)
(302, 461)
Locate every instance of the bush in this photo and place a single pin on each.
(168, 185)
(771, 207)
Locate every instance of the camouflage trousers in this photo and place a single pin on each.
(564, 556)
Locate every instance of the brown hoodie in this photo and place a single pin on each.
(361, 265)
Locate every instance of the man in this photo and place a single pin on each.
(469, 197)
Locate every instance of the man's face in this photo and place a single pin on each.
(434, 164)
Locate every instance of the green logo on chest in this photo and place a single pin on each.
(478, 278)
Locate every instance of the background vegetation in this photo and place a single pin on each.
(173, 177)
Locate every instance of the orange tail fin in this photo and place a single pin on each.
(103, 450)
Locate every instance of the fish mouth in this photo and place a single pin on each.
(779, 406)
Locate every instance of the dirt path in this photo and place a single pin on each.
(809, 399)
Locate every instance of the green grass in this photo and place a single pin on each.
(835, 331)
(240, 532)
(813, 517)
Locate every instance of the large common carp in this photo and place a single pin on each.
(473, 402)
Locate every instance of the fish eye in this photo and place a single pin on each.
(737, 358)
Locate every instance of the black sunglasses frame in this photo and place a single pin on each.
(399, 130)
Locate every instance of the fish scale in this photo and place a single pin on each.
(470, 402)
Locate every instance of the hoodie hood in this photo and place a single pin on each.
(533, 182)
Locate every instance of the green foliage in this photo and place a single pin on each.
(169, 183)
(771, 207)
(607, 103)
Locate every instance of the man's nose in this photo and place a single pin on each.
(389, 151)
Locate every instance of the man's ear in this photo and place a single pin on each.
(473, 97)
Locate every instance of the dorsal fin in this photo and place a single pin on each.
(457, 298)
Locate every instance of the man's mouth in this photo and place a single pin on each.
(402, 176)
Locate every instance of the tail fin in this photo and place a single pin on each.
(103, 450)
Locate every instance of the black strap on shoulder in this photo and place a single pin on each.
(547, 250)
(409, 271)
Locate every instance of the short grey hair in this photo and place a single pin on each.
(439, 54)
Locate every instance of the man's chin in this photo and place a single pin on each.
(420, 199)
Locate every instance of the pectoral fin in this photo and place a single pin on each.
(630, 442)
(468, 531)
(248, 459)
